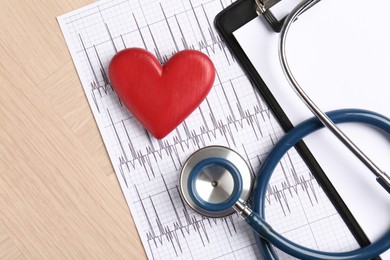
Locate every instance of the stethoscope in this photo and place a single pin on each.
(216, 181)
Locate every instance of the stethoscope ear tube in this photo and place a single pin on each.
(383, 184)
(256, 218)
(382, 177)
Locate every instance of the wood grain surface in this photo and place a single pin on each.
(59, 196)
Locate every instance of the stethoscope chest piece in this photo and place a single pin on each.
(213, 179)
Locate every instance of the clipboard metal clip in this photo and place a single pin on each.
(263, 8)
(264, 5)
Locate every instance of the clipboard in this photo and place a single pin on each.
(229, 20)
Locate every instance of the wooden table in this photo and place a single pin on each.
(59, 196)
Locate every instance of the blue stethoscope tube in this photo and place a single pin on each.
(256, 218)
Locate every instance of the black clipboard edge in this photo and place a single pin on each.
(227, 21)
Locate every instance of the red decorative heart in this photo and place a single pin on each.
(161, 97)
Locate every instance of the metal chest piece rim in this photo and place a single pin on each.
(213, 179)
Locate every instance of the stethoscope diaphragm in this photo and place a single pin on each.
(213, 179)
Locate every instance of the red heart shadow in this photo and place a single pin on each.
(161, 97)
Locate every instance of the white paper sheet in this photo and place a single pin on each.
(339, 52)
(232, 115)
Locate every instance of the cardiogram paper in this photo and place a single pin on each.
(233, 115)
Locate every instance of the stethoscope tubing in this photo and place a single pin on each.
(256, 219)
(297, 11)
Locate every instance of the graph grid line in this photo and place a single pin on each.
(233, 114)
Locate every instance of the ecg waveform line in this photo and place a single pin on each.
(246, 117)
(221, 127)
(171, 232)
(233, 115)
(218, 125)
(202, 45)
